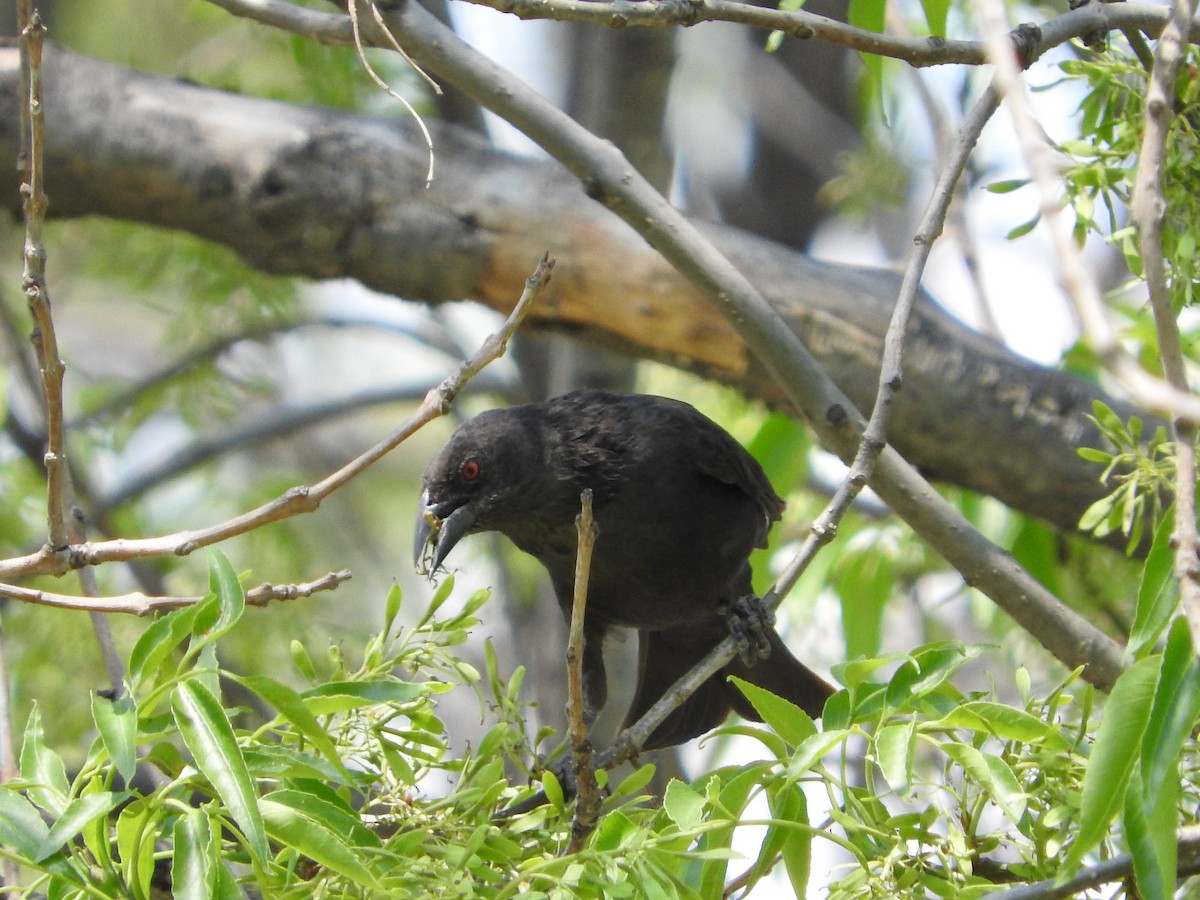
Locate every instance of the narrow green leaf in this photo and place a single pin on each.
(158, 641)
(193, 862)
(1002, 721)
(991, 773)
(1158, 595)
(340, 696)
(224, 585)
(795, 844)
(788, 720)
(893, 754)
(117, 723)
(1154, 860)
(322, 805)
(391, 608)
(76, 816)
(444, 589)
(43, 768)
(21, 825)
(1176, 707)
(1007, 187)
(311, 838)
(210, 738)
(292, 707)
(1118, 745)
(1024, 228)
(136, 832)
(728, 799)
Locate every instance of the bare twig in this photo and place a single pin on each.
(299, 499)
(1111, 870)
(1149, 209)
(587, 798)
(352, 9)
(33, 280)
(140, 604)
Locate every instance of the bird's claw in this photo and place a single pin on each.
(749, 620)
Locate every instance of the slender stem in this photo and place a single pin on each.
(33, 280)
(587, 803)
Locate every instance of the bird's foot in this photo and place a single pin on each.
(749, 620)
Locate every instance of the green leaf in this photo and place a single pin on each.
(728, 798)
(76, 816)
(231, 599)
(869, 15)
(311, 836)
(893, 754)
(1024, 228)
(391, 608)
(1118, 745)
(788, 720)
(136, 832)
(788, 804)
(936, 13)
(991, 773)
(158, 641)
(117, 723)
(209, 736)
(341, 696)
(1151, 839)
(319, 802)
(292, 707)
(21, 825)
(1158, 595)
(193, 859)
(1007, 187)
(43, 768)
(1004, 722)
(683, 805)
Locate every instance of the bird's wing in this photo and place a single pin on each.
(719, 456)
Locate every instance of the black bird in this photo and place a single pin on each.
(678, 505)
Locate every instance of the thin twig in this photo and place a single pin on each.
(352, 9)
(140, 604)
(33, 279)
(1111, 870)
(587, 797)
(1149, 209)
(300, 499)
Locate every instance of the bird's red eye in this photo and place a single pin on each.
(470, 470)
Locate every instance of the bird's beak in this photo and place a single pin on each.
(437, 532)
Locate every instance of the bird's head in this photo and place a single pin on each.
(476, 483)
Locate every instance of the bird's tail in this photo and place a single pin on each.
(667, 655)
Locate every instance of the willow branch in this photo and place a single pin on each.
(587, 803)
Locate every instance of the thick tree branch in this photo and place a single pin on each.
(317, 193)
